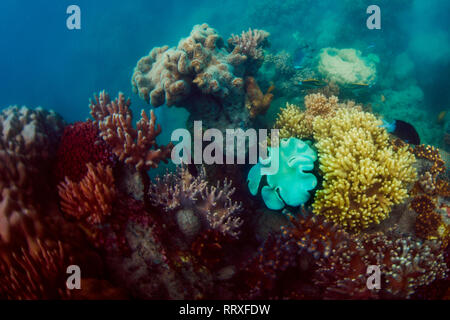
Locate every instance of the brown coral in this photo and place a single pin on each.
(92, 198)
(211, 204)
(136, 147)
(256, 101)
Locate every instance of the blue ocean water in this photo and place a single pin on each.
(42, 63)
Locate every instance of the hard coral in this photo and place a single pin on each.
(136, 147)
(363, 176)
(250, 44)
(80, 144)
(212, 205)
(91, 199)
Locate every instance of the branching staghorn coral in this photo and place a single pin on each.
(293, 122)
(363, 176)
(197, 203)
(91, 199)
(405, 266)
(250, 44)
(136, 147)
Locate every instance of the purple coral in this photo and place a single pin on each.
(212, 205)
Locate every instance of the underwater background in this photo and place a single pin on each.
(45, 64)
(362, 180)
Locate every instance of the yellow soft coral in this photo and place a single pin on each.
(290, 122)
(293, 122)
(363, 176)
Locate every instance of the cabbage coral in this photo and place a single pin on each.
(363, 176)
(347, 66)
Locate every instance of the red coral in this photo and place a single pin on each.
(80, 145)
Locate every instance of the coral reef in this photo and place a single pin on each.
(290, 183)
(202, 66)
(405, 265)
(135, 147)
(92, 198)
(347, 66)
(200, 203)
(283, 265)
(363, 176)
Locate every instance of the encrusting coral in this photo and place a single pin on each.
(197, 202)
(256, 101)
(135, 147)
(363, 176)
(92, 198)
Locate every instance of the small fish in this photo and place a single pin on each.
(312, 83)
(359, 85)
(371, 46)
(382, 98)
(441, 116)
(403, 130)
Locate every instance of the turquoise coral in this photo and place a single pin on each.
(290, 184)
